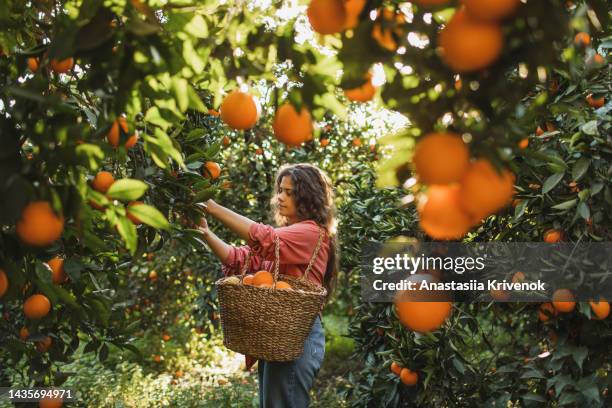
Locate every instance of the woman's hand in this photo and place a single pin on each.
(203, 227)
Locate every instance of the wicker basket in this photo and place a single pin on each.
(266, 323)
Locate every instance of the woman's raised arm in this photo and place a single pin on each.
(234, 221)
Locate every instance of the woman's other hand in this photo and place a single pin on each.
(203, 226)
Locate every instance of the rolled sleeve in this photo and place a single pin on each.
(296, 242)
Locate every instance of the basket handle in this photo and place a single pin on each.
(245, 266)
(314, 255)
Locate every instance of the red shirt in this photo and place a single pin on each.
(297, 243)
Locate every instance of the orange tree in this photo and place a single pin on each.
(69, 72)
(497, 354)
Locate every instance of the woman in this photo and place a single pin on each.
(303, 207)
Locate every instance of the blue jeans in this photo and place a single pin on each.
(287, 384)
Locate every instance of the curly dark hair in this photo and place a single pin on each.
(314, 197)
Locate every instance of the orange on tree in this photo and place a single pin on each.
(102, 181)
(388, 23)
(418, 315)
(524, 143)
(500, 295)
(324, 142)
(601, 309)
(441, 158)
(441, 215)
(582, 39)
(484, 190)
(595, 102)
(33, 64)
(39, 225)
(353, 9)
(51, 402)
(135, 220)
(166, 337)
(114, 133)
(153, 275)
(239, 110)
(553, 236)
(283, 285)
(468, 44)
(248, 280)
(408, 377)
(545, 312)
(36, 306)
(157, 358)
(4, 283)
(263, 277)
(518, 277)
(490, 10)
(563, 300)
(44, 344)
(211, 170)
(356, 142)
(395, 368)
(327, 16)
(226, 141)
(290, 127)
(58, 275)
(62, 66)
(362, 93)
(24, 333)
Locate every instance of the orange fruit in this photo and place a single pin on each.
(518, 277)
(387, 24)
(239, 110)
(36, 306)
(553, 236)
(546, 311)
(62, 66)
(524, 143)
(290, 127)
(33, 64)
(600, 308)
(157, 358)
(166, 337)
(58, 275)
(468, 44)
(51, 402)
(420, 316)
(102, 181)
(213, 112)
(248, 280)
(4, 283)
(597, 59)
(264, 285)
(595, 102)
(353, 9)
(539, 131)
(563, 300)
(490, 10)
(135, 220)
(24, 333)
(113, 134)
(153, 275)
(484, 191)
(395, 368)
(283, 285)
(356, 142)
(263, 277)
(39, 225)
(500, 295)
(326, 16)
(226, 141)
(441, 158)
(211, 170)
(44, 345)
(408, 377)
(582, 39)
(324, 142)
(362, 93)
(441, 216)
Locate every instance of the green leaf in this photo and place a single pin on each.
(180, 88)
(149, 215)
(584, 211)
(590, 128)
(204, 195)
(519, 210)
(127, 189)
(580, 168)
(92, 153)
(197, 27)
(127, 230)
(566, 204)
(552, 181)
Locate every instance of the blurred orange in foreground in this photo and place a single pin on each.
(441, 158)
(418, 315)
